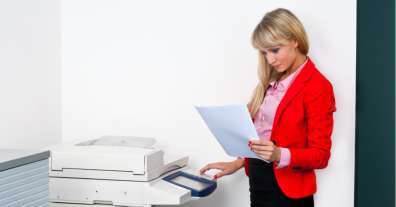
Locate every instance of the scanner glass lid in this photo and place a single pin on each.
(194, 184)
(199, 186)
(126, 141)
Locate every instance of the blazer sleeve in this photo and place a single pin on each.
(319, 108)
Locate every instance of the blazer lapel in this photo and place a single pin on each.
(293, 90)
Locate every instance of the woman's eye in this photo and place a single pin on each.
(275, 50)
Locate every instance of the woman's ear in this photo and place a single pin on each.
(295, 44)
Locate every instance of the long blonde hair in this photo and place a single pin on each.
(277, 27)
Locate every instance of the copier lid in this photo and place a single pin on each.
(106, 153)
(126, 141)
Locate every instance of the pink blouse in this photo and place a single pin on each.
(265, 116)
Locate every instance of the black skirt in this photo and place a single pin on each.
(265, 191)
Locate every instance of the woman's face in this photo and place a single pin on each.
(282, 57)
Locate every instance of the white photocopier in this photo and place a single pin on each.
(121, 171)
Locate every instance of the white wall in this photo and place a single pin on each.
(30, 73)
(139, 67)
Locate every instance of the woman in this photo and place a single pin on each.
(292, 109)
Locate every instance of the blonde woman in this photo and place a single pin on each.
(292, 109)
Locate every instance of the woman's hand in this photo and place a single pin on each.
(226, 168)
(265, 149)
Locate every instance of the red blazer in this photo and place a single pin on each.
(303, 123)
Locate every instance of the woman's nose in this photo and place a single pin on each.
(270, 59)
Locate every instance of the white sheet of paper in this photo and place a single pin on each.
(232, 127)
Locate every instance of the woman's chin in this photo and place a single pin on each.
(280, 70)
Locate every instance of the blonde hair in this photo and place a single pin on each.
(277, 27)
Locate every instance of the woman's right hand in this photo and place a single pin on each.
(226, 168)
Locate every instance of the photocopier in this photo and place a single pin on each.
(121, 171)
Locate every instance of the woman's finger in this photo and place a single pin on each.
(255, 141)
(265, 157)
(207, 167)
(210, 166)
(264, 153)
(204, 169)
(261, 142)
(220, 174)
(262, 148)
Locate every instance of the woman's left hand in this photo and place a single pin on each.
(265, 149)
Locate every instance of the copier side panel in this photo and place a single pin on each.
(123, 193)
